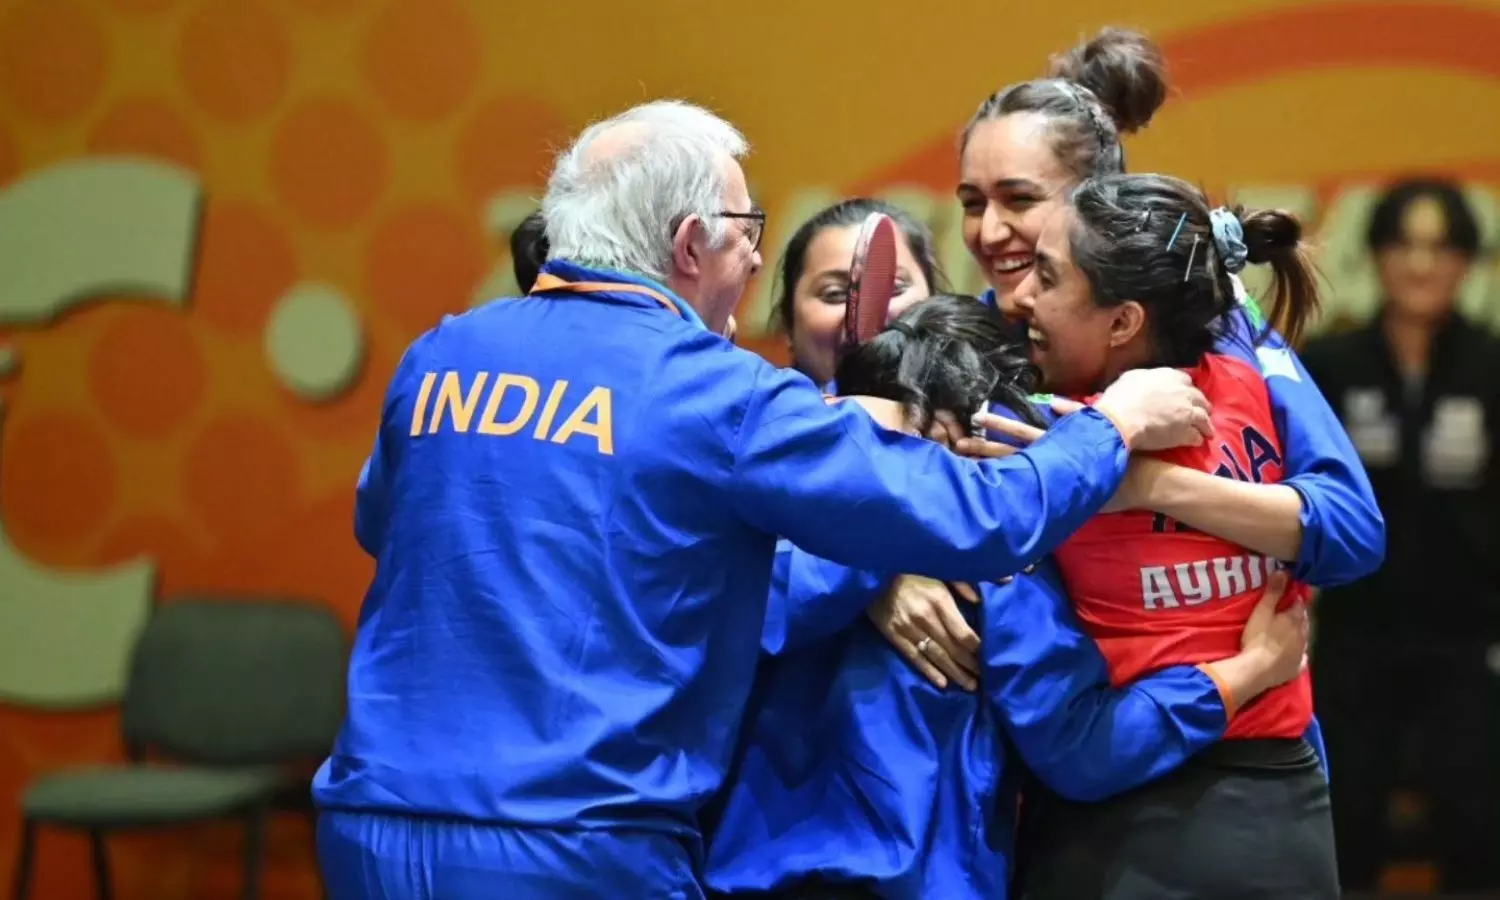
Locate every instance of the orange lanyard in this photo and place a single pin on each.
(548, 282)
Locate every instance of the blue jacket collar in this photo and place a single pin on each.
(560, 275)
(1015, 329)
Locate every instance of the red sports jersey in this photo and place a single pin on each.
(1154, 593)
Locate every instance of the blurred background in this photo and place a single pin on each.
(221, 222)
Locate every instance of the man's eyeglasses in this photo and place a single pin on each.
(755, 230)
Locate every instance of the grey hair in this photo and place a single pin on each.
(620, 209)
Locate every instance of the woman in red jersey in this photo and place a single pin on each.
(1136, 271)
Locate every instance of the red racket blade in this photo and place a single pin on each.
(872, 280)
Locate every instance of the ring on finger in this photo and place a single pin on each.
(923, 644)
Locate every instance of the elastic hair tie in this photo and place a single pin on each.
(1229, 238)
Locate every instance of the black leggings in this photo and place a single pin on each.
(1245, 820)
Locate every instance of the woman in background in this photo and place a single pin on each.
(1407, 685)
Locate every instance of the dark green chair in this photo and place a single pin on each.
(232, 692)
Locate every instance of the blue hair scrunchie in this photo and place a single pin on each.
(1229, 238)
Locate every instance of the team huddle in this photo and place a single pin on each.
(653, 618)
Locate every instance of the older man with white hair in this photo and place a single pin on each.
(573, 503)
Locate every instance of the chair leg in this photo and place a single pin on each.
(255, 847)
(312, 823)
(103, 888)
(25, 859)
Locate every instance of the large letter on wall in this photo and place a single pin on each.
(69, 234)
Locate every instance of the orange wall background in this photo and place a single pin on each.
(377, 151)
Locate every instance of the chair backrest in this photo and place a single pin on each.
(236, 681)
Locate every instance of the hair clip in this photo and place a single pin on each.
(1181, 220)
(1188, 272)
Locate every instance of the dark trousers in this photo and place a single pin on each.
(1211, 830)
(1418, 715)
(808, 892)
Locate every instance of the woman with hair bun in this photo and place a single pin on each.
(1031, 142)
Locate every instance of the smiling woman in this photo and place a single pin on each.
(814, 278)
(1030, 142)
(1137, 272)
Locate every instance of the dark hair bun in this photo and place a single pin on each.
(1124, 69)
(950, 352)
(1271, 233)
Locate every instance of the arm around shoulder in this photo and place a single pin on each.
(836, 484)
